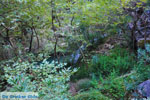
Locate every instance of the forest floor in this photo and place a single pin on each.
(103, 49)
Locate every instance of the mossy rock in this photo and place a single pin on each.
(141, 42)
(90, 95)
(83, 84)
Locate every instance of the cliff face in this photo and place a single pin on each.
(143, 26)
(140, 27)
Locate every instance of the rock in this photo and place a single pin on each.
(6, 52)
(141, 42)
(144, 89)
(77, 55)
(81, 84)
(140, 28)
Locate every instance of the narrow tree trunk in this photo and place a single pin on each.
(30, 48)
(55, 47)
(53, 27)
(36, 37)
(53, 16)
(72, 20)
(133, 37)
(7, 35)
(58, 21)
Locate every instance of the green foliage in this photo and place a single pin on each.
(76, 22)
(143, 64)
(83, 72)
(90, 95)
(92, 34)
(113, 86)
(148, 2)
(43, 78)
(2, 79)
(21, 16)
(143, 55)
(119, 60)
(141, 71)
(84, 84)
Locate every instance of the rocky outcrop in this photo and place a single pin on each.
(140, 27)
(144, 89)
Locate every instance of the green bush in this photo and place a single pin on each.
(90, 95)
(83, 72)
(142, 68)
(43, 78)
(91, 33)
(84, 84)
(112, 86)
(119, 60)
(140, 74)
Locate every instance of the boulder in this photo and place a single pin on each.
(75, 57)
(144, 89)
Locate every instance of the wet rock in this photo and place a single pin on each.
(77, 55)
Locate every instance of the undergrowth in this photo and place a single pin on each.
(119, 60)
(118, 75)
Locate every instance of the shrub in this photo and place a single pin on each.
(90, 95)
(140, 74)
(84, 84)
(43, 78)
(112, 86)
(91, 33)
(144, 54)
(142, 68)
(119, 60)
(83, 72)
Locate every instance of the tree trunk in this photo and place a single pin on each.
(36, 37)
(30, 48)
(53, 16)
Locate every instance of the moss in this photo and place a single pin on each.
(141, 43)
(84, 84)
(90, 95)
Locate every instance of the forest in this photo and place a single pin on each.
(75, 49)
